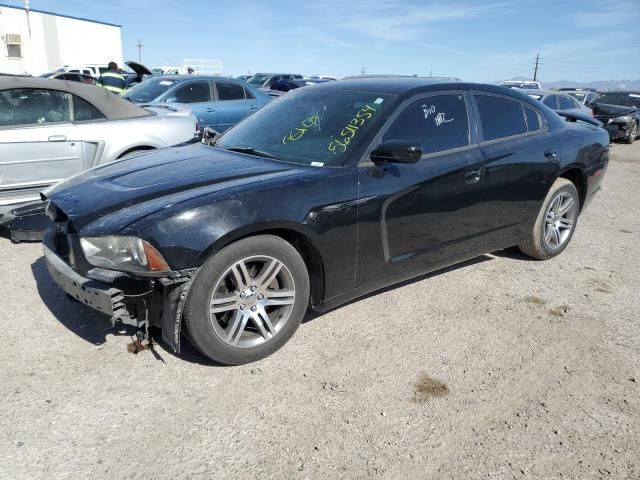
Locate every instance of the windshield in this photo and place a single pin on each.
(624, 99)
(258, 79)
(149, 90)
(312, 127)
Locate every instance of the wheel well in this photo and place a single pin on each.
(139, 148)
(575, 176)
(307, 251)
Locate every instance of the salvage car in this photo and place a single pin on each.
(266, 80)
(52, 129)
(218, 103)
(331, 192)
(583, 96)
(620, 114)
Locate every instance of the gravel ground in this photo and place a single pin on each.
(498, 368)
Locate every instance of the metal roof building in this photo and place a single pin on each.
(35, 42)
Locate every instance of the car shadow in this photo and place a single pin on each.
(513, 253)
(94, 327)
(312, 315)
(85, 322)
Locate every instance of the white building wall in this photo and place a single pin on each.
(50, 41)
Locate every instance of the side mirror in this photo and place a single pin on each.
(397, 151)
(208, 135)
(171, 99)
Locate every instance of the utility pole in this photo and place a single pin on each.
(140, 51)
(535, 71)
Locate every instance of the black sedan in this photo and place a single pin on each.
(333, 191)
(620, 114)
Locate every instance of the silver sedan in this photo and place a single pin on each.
(557, 100)
(52, 129)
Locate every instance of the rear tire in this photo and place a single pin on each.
(555, 223)
(247, 300)
(633, 133)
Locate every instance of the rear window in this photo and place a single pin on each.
(83, 111)
(533, 119)
(500, 117)
(229, 91)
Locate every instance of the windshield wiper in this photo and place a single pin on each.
(252, 151)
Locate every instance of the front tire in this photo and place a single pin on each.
(555, 223)
(247, 300)
(633, 133)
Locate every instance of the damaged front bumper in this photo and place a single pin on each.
(142, 303)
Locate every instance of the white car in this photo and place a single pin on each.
(527, 84)
(52, 129)
(93, 69)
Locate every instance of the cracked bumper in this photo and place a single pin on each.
(99, 296)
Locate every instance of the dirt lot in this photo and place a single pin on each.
(539, 364)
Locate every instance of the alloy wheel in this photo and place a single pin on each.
(252, 301)
(559, 220)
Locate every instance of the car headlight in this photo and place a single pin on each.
(624, 119)
(129, 254)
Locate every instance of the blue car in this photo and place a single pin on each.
(218, 103)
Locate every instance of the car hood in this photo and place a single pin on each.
(106, 199)
(138, 68)
(606, 109)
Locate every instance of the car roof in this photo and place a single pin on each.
(112, 106)
(401, 85)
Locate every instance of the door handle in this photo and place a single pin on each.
(551, 154)
(58, 138)
(253, 107)
(472, 176)
(210, 110)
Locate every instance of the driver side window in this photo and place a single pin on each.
(32, 106)
(438, 123)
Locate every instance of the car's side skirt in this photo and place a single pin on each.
(346, 297)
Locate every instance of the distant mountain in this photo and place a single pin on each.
(602, 85)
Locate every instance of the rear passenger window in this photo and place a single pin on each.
(437, 123)
(550, 102)
(565, 103)
(229, 91)
(533, 119)
(248, 94)
(84, 111)
(500, 117)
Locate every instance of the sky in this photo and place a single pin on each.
(484, 41)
